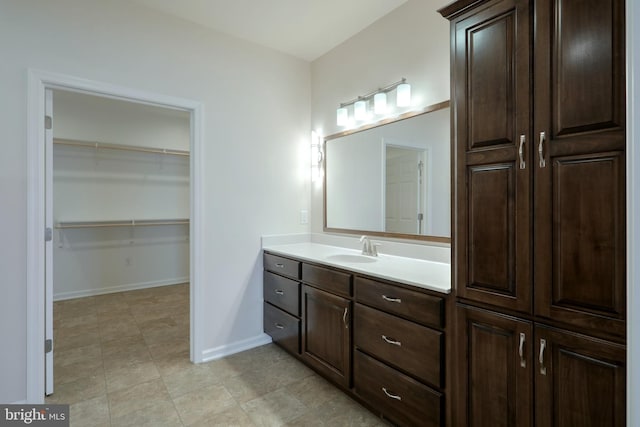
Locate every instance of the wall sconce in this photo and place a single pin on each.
(403, 99)
(317, 156)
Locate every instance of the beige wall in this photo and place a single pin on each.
(256, 119)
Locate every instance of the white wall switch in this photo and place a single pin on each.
(304, 216)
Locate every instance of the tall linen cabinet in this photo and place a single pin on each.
(538, 140)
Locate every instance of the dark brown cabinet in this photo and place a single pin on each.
(580, 380)
(281, 308)
(579, 164)
(399, 352)
(538, 93)
(382, 342)
(326, 334)
(496, 374)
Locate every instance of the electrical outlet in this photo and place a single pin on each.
(128, 260)
(304, 216)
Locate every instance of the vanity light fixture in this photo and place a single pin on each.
(379, 96)
(360, 110)
(342, 116)
(317, 156)
(403, 95)
(380, 103)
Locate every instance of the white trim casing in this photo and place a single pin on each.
(38, 81)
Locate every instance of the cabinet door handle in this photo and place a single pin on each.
(391, 395)
(344, 317)
(523, 165)
(391, 299)
(543, 346)
(279, 291)
(523, 362)
(543, 162)
(280, 265)
(391, 341)
(279, 326)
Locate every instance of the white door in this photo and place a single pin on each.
(48, 249)
(404, 190)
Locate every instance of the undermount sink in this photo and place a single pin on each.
(350, 258)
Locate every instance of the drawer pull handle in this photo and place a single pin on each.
(543, 162)
(344, 317)
(523, 164)
(279, 291)
(543, 345)
(391, 395)
(523, 362)
(279, 325)
(391, 299)
(391, 341)
(280, 265)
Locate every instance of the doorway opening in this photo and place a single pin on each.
(41, 228)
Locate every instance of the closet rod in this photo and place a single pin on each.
(102, 145)
(124, 223)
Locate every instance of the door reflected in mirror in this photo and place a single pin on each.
(391, 179)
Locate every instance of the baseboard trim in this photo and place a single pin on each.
(120, 288)
(235, 347)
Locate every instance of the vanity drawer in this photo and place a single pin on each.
(283, 328)
(399, 397)
(281, 292)
(285, 266)
(413, 348)
(417, 306)
(327, 279)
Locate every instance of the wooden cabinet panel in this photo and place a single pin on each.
(496, 239)
(495, 386)
(491, 88)
(412, 348)
(579, 218)
(328, 279)
(580, 381)
(281, 292)
(400, 398)
(326, 334)
(281, 265)
(580, 45)
(417, 306)
(283, 328)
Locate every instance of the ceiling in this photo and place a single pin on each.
(303, 28)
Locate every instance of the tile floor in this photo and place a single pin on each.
(123, 360)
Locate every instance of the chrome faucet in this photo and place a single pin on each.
(369, 248)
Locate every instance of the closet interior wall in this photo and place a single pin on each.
(121, 216)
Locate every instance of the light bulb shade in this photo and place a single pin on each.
(342, 116)
(360, 110)
(380, 103)
(403, 95)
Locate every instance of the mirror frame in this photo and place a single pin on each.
(404, 116)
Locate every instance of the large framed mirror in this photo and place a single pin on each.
(392, 178)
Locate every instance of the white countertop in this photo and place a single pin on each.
(435, 276)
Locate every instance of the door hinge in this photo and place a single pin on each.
(48, 234)
(48, 122)
(48, 346)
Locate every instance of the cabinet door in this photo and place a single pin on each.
(579, 122)
(495, 369)
(326, 334)
(491, 89)
(580, 381)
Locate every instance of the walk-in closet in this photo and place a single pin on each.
(120, 198)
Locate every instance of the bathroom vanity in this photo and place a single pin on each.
(374, 326)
